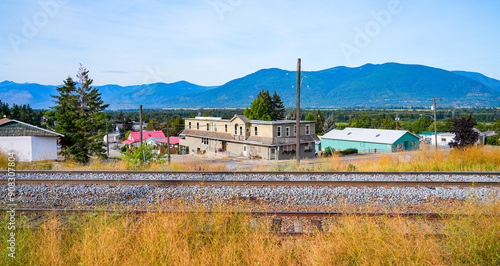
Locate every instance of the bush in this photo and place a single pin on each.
(349, 151)
(143, 155)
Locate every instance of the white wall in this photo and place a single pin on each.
(21, 146)
(28, 148)
(43, 148)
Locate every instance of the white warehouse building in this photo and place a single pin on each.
(29, 143)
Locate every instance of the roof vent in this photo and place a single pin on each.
(349, 133)
(149, 134)
(378, 135)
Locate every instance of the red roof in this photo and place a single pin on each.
(173, 140)
(128, 142)
(136, 136)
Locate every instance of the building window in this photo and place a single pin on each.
(236, 129)
(295, 130)
(189, 125)
(443, 140)
(411, 144)
(215, 127)
(287, 131)
(241, 131)
(197, 126)
(308, 129)
(225, 128)
(255, 128)
(204, 141)
(208, 126)
(279, 131)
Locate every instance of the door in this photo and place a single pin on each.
(272, 153)
(407, 145)
(245, 151)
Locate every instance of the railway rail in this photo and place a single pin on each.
(171, 182)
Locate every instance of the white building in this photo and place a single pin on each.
(443, 139)
(29, 143)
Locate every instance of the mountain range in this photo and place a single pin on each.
(385, 85)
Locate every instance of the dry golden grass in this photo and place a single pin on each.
(221, 239)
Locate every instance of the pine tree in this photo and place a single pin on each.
(310, 117)
(320, 121)
(77, 111)
(277, 108)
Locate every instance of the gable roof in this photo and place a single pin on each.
(367, 135)
(241, 117)
(12, 127)
(136, 136)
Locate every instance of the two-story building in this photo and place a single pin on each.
(240, 136)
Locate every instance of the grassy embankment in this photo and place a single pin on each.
(222, 239)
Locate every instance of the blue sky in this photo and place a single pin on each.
(210, 42)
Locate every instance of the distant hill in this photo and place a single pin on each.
(384, 85)
(492, 83)
(389, 84)
(150, 95)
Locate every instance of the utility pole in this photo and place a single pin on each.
(140, 121)
(297, 116)
(107, 136)
(168, 141)
(435, 122)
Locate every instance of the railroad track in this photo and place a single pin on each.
(230, 179)
(170, 182)
(426, 215)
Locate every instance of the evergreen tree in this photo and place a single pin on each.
(127, 126)
(329, 125)
(277, 108)
(464, 133)
(387, 124)
(77, 111)
(310, 117)
(320, 121)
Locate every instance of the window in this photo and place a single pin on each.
(197, 126)
(215, 127)
(443, 139)
(255, 128)
(308, 129)
(204, 141)
(189, 125)
(241, 131)
(411, 144)
(279, 131)
(236, 129)
(225, 128)
(208, 126)
(287, 131)
(295, 130)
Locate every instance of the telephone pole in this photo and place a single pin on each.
(168, 141)
(435, 122)
(140, 121)
(297, 116)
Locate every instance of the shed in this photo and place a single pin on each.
(29, 143)
(370, 140)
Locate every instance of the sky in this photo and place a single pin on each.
(210, 42)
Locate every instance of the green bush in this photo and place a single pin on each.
(143, 155)
(349, 151)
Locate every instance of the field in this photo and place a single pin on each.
(233, 239)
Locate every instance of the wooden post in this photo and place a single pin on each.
(140, 121)
(107, 136)
(297, 116)
(168, 141)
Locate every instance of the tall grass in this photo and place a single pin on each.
(236, 239)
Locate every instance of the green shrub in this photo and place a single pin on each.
(349, 151)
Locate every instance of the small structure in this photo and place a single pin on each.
(113, 138)
(29, 143)
(135, 137)
(161, 144)
(370, 140)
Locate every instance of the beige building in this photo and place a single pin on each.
(240, 136)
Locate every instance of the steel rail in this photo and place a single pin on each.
(427, 215)
(175, 182)
(4, 172)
